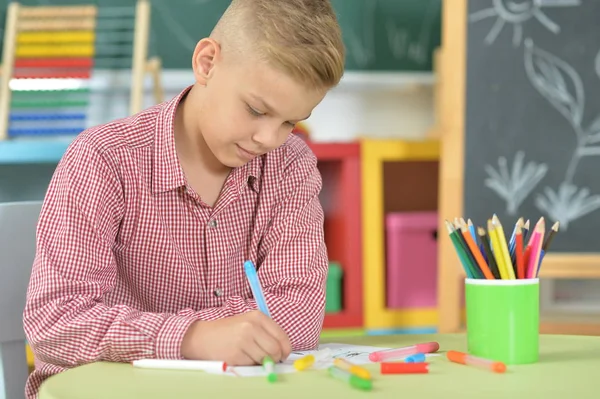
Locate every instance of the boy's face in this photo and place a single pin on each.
(248, 108)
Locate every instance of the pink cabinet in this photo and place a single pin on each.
(411, 251)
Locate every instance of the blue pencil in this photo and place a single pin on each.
(257, 291)
(476, 238)
(512, 242)
(472, 230)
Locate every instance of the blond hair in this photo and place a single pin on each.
(300, 37)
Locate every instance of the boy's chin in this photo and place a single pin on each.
(232, 161)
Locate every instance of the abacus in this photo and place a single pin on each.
(49, 56)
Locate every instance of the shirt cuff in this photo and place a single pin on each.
(170, 336)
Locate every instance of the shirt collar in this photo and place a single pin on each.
(166, 169)
(249, 175)
(167, 173)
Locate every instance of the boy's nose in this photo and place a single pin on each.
(266, 138)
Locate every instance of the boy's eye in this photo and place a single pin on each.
(253, 112)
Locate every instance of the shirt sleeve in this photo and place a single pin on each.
(293, 259)
(65, 319)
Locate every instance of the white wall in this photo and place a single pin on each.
(394, 105)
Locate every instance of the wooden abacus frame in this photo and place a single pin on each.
(452, 76)
(81, 17)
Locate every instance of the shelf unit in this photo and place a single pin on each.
(339, 164)
(374, 155)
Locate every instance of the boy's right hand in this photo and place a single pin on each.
(241, 340)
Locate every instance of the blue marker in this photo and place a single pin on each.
(255, 287)
(416, 358)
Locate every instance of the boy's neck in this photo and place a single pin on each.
(189, 142)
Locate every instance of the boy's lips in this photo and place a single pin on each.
(247, 153)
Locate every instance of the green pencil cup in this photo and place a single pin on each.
(503, 318)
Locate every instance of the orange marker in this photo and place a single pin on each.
(469, 360)
(476, 253)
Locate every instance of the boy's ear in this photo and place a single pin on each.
(205, 54)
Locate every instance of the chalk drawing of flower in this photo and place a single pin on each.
(516, 185)
(560, 84)
(556, 81)
(567, 204)
(517, 12)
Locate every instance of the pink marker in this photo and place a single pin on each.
(428, 347)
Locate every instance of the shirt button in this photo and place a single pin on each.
(217, 292)
(213, 223)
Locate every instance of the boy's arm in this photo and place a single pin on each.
(294, 270)
(65, 319)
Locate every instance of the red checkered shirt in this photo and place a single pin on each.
(128, 256)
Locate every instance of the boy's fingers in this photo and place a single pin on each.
(276, 332)
(269, 345)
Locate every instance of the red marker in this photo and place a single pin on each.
(380, 356)
(404, 368)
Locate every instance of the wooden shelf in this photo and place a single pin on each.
(339, 164)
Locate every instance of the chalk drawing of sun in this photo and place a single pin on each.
(517, 12)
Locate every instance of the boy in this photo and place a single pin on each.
(148, 220)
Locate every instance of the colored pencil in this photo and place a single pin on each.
(546, 245)
(504, 248)
(511, 242)
(462, 256)
(484, 239)
(536, 242)
(550, 237)
(476, 253)
(519, 253)
(472, 229)
(477, 273)
(495, 245)
(526, 231)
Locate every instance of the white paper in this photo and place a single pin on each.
(353, 353)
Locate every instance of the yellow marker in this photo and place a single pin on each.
(307, 361)
(352, 368)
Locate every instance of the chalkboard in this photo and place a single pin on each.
(379, 34)
(532, 138)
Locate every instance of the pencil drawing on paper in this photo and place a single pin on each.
(560, 84)
(517, 12)
(515, 185)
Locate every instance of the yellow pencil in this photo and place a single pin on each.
(504, 247)
(497, 250)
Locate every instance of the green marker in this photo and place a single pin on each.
(351, 379)
(269, 366)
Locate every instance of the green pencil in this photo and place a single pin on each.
(460, 251)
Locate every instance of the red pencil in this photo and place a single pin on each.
(519, 253)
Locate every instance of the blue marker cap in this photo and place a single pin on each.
(416, 358)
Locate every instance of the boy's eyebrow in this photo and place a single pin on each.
(271, 109)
